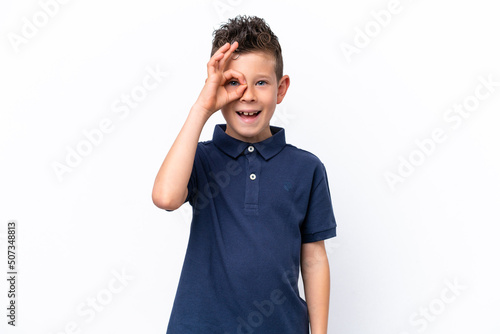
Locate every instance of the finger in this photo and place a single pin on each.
(213, 63)
(230, 74)
(218, 55)
(228, 54)
(223, 48)
(237, 93)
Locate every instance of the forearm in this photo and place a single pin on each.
(170, 186)
(316, 278)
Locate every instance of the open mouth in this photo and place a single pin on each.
(250, 114)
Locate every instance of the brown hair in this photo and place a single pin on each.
(252, 34)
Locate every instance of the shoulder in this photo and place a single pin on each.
(308, 165)
(206, 143)
(205, 146)
(305, 157)
(204, 150)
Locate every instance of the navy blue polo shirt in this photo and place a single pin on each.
(254, 204)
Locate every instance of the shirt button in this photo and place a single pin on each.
(252, 176)
(250, 148)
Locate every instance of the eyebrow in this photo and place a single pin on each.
(261, 75)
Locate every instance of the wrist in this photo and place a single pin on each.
(200, 112)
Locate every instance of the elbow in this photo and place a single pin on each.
(165, 202)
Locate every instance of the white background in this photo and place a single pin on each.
(397, 247)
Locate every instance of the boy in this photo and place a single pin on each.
(260, 206)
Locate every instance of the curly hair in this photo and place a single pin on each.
(252, 34)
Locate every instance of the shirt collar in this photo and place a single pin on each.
(233, 147)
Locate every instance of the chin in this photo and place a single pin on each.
(246, 131)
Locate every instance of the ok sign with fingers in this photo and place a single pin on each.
(214, 94)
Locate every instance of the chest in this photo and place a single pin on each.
(276, 188)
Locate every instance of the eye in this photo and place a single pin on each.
(233, 83)
(261, 83)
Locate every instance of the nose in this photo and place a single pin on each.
(248, 95)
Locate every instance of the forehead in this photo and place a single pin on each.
(252, 63)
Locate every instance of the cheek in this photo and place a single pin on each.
(270, 97)
(228, 109)
(225, 111)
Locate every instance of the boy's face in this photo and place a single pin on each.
(260, 97)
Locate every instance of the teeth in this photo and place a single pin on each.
(248, 113)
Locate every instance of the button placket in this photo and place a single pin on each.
(252, 181)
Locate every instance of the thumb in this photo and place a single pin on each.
(236, 94)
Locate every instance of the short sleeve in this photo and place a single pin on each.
(192, 181)
(319, 222)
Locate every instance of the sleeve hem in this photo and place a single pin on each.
(330, 233)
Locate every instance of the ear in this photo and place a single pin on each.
(283, 87)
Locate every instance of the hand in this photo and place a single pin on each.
(214, 94)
